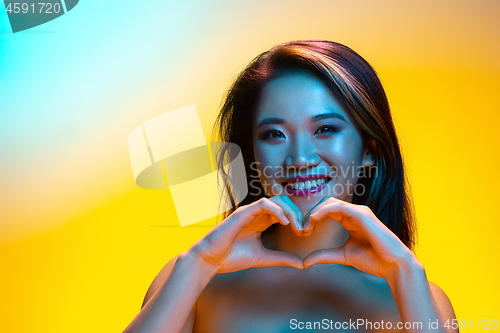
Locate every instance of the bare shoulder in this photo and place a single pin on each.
(159, 279)
(442, 301)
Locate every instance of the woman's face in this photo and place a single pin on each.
(306, 146)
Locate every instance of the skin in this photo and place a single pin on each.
(301, 146)
(286, 257)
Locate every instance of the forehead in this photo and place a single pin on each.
(296, 96)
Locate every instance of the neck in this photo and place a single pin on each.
(327, 234)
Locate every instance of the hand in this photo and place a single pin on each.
(371, 246)
(235, 244)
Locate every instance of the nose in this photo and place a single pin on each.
(301, 156)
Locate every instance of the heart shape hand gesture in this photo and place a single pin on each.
(235, 244)
(371, 247)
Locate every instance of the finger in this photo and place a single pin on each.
(326, 256)
(356, 218)
(280, 258)
(289, 213)
(319, 205)
(335, 209)
(291, 208)
(244, 216)
(309, 224)
(276, 212)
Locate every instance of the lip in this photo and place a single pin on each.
(305, 177)
(305, 192)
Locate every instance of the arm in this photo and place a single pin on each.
(233, 245)
(169, 308)
(374, 249)
(160, 279)
(419, 300)
(443, 303)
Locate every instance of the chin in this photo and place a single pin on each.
(306, 203)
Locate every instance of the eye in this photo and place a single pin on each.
(327, 129)
(273, 134)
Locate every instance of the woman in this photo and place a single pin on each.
(323, 240)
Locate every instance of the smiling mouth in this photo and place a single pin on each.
(307, 185)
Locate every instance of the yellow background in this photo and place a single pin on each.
(80, 242)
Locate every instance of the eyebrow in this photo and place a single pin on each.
(323, 116)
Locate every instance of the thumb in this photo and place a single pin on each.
(326, 256)
(280, 258)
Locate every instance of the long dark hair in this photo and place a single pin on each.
(358, 89)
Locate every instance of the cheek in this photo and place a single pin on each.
(346, 156)
(267, 158)
(268, 167)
